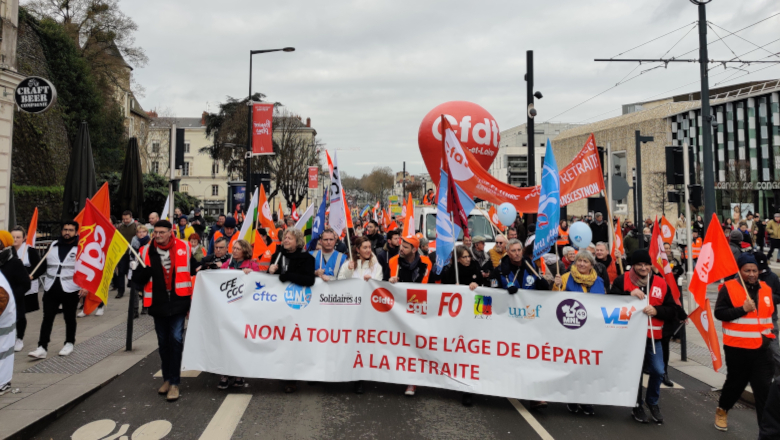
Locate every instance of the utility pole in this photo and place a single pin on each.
(403, 183)
(529, 96)
(638, 185)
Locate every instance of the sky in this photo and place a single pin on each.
(367, 72)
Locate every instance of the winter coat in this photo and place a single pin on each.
(773, 229)
(466, 275)
(371, 267)
(296, 267)
(246, 264)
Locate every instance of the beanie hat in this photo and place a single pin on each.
(641, 256)
(736, 235)
(6, 238)
(413, 241)
(183, 217)
(762, 261)
(163, 224)
(746, 259)
(230, 222)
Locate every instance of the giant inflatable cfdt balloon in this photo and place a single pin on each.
(475, 128)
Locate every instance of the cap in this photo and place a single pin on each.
(413, 241)
(478, 239)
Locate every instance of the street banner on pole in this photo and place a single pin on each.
(262, 128)
(537, 345)
(313, 181)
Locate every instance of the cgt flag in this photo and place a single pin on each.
(702, 318)
(708, 268)
(100, 248)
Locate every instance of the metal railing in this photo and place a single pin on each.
(756, 88)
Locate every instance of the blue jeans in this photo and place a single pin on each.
(655, 363)
(169, 340)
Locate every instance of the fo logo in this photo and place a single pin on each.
(571, 314)
(483, 306)
(417, 301)
(297, 297)
(382, 300)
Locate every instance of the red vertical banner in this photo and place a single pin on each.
(262, 128)
(313, 182)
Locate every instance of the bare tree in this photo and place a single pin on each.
(154, 141)
(656, 193)
(379, 183)
(416, 188)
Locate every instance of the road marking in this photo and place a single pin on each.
(189, 373)
(531, 420)
(227, 417)
(646, 378)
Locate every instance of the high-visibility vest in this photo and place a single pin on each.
(695, 248)
(180, 262)
(219, 234)
(393, 263)
(655, 294)
(745, 332)
(563, 237)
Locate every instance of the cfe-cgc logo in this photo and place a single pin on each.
(263, 295)
(232, 290)
(297, 297)
(618, 317)
(571, 314)
(483, 306)
(382, 300)
(417, 301)
(525, 313)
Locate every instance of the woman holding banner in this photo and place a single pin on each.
(364, 264)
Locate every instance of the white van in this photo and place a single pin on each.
(479, 224)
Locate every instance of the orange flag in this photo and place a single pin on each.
(493, 217)
(708, 268)
(667, 230)
(32, 229)
(661, 261)
(408, 230)
(702, 318)
(348, 213)
(101, 202)
(617, 242)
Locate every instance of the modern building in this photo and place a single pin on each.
(511, 163)
(746, 148)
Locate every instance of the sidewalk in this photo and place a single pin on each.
(48, 388)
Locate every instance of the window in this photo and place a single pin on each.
(185, 188)
(517, 170)
(214, 190)
(156, 167)
(186, 147)
(215, 168)
(155, 146)
(186, 170)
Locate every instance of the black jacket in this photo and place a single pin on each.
(384, 255)
(725, 310)
(210, 262)
(377, 241)
(413, 272)
(466, 275)
(773, 281)
(164, 302)
(667, 311)
(296, 267)
(199, 228)
(600, 232)
(14, 271)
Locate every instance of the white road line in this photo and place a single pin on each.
(188, 373)
(227, 417)
(531, 420)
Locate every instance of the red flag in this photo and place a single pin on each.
(294, 214)
(32, 229)
(708, 268)
(702, 318)
(661, 261)
(454, 207)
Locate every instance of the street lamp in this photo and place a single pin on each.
(249, 118)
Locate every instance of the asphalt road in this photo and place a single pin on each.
(331, 410)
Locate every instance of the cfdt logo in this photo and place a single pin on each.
(382, 300)
(263, 295)
(297, 297)
(232, 290)
(483, 306)
(417, 301)
(618, 317)
(571, 314)
(525, 313)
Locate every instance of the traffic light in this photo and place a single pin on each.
(695, 192)
(674, 166)
(673, 197)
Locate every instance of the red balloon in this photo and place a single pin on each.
(476, 129)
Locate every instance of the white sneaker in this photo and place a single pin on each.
(81, 314)
(410, 390)
(39, 353)
(67, 349)
(100, 311)
(19, 345)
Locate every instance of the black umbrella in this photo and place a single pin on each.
(131, 187)
(80, 182)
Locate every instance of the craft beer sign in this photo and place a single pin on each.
(35, 95)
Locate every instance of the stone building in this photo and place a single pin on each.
(746, 148)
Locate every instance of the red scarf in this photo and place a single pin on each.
(167, 272)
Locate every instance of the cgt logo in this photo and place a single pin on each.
(483, 306)
(619, 316)
(262, 295)
(417, 301)
(382, 300)
(232, 291)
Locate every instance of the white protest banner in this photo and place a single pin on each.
(554, 346)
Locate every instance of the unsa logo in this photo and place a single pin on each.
(382, 300)
(297, 297)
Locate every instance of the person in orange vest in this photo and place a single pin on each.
(229, 232)
(563, 237)
(167, 285)
(638, 282)
(745, 307)
(430, 198)
(694, 248)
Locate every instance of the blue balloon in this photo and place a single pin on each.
(580, 235)
(507, 214)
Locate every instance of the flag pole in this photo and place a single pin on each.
(649, 319)
(489, 219)
(557, 266)
(349, 244)
(41, 262)
(455, 254)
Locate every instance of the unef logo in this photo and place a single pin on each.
(525, 313)
(232, 291)
(262, 295)
(417, 301)
(453, 302)
(571, 314)
(382, 300)
(483, 306)
(297, 297)
(619, 316)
